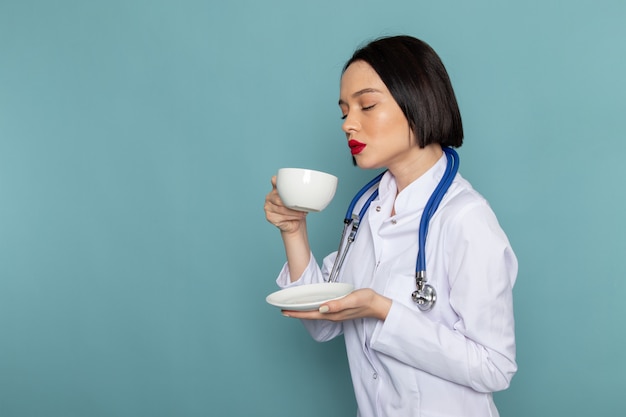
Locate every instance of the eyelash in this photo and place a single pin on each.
(362, 108)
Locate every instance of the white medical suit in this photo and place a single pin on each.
(446, 361)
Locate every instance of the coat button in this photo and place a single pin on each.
(377, 208)
(394, 221)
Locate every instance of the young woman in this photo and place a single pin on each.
(400, 113)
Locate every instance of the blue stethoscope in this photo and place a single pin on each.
(425, 295)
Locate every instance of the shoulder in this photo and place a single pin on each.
(465, 211)
(462, 197)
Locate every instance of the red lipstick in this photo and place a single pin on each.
(356, 147)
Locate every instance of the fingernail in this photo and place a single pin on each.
(286, 315)
(324, 309)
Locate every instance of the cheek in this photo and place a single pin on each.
(395, 124)
(386, 122)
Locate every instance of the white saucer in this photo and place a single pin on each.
(309, 297)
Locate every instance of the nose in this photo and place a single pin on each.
(350, 124)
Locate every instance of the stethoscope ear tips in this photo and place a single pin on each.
(425, 298)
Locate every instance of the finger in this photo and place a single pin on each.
(274, 198)
(337, 306)
(277, 206)
(306, 315)
(281, 212)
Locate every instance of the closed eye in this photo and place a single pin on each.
(365, 108)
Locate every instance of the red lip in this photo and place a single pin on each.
(356, 147)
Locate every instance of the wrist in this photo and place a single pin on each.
(298, 233)
(382, 307)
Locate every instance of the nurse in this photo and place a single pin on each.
(399, 110)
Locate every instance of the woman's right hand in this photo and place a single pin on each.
(286, 219)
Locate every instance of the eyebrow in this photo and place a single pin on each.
(360, 93)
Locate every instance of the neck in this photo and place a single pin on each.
(418, 161)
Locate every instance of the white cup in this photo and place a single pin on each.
(305, 189)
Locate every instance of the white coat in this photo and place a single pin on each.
(449, 360)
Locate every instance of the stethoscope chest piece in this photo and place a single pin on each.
(425, 295)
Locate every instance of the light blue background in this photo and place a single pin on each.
(137, 141)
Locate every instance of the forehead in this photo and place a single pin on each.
(359, 76)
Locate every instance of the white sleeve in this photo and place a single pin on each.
(479, 350)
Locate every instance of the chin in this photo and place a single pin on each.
(363, 165)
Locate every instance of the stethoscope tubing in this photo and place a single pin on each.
(350, 220)
(452, 167)
(357, 197)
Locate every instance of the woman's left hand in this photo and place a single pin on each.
(361, 303)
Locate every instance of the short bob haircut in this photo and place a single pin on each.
(419, 82)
